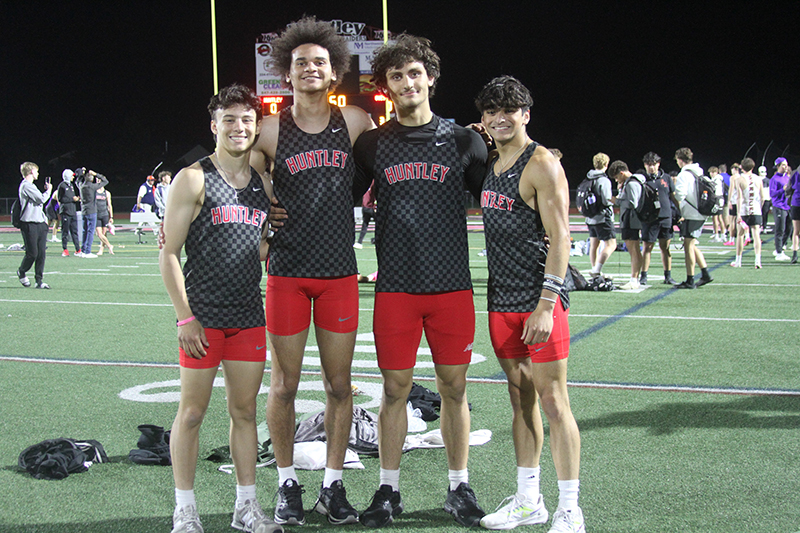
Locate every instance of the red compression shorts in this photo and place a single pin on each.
(505, 330)
(289, 301)
(229, 344)
(448, 319)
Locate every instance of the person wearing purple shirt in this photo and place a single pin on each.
(780, 207)
(794, 212)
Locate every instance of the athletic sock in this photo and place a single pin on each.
(689, 280)
(568, 494)
(391, 478)
(457, 477)
(704, 273)
(184, 498)
(667, 274)
(244, 493)
(331, 476)
(794, 255)
(528, 482)
(285, 474)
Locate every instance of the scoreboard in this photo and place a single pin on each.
(355, 89)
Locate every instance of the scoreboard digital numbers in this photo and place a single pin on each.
(355, 89)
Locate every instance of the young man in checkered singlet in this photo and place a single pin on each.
(308, 150)
(217, 208)
(421, 165)
(526, 195)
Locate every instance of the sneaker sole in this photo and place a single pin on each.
(373, 523)
(289, 522)
(537, 518)
(321, 509)
(474, 522)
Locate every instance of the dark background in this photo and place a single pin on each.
(120, 86)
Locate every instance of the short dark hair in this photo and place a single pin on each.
(748, 164)
(616, 168)
(405, 49)
(651, 158)
(232, 95)
(723, 168)
(504, 92)
(164, 173)
(309, 30)
(684, 154)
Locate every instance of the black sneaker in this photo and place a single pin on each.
(642, 280)
(290, 504)
(386, 504)
(685, 285)
(669, 281)
(702, 281)
(332, 502)
(463, 505)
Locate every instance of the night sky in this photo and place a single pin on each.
(119, 89)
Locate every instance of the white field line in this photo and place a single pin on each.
(744, 391)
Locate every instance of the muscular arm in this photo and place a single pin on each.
(544, 187)
(183, 205)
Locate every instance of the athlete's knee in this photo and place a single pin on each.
(242, 413)
(338, 387)
(395, 390)
(555, 406)
(191, 416)
(283, 387)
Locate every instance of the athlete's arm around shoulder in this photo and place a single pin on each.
(357, 120)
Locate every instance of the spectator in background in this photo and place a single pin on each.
(147, 195)
(794, 211)
(780, 206)
(367, 214)
(162, 190)
(33, 224)
(69, 198)
(692, 220)
(631, 188)
(601, 226)
(661, 229)
(105, 217)
(718, 220)
(51, 212)
(766, 199)
(91, 182)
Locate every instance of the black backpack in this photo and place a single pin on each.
(16, 213)
(586, 200)
(649, 205)
(708, 202)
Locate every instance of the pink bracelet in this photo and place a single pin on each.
(185, 321)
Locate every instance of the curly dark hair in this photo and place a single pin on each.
(232, 95)
(616, 168)
(504, 92)
(651, 158)
(309, 30)
(405, 49)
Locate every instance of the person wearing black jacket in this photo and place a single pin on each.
(91, 182)
(69, 198)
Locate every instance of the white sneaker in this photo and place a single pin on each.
(89, 256)
(78, 254)
(250, 518)
(186, 520)
(568, 521)
(358, 245)
(782, 257)
(517, 512)
(630, 286)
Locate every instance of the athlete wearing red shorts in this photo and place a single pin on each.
(525, 196)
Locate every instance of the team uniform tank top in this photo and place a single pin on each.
(515, 246)
(421, 230)
(222, 269)
(313, 181)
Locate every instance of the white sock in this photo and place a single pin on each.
(285, 474)
(634, 280)
(184, 498)
(528, 482)
(457, 477)
(244, 493)
(568, 494)
(331, 476)
(391, 478)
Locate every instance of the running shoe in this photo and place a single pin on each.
(290, 504)
(250, 518)
(516, 511)
(332, 502)
(463, 505)
(568, 521)
(186, 520)
(386, 504)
